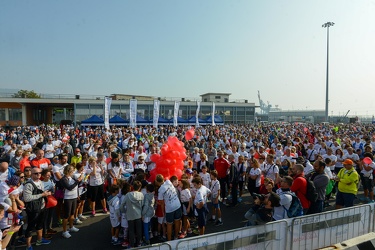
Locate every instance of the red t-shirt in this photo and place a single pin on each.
(221, 166)
(42, 163)
(299, 187)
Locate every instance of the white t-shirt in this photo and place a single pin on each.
(258, 172)
(270, 170)
(185, 195)
(168, 193)
(215, 187)
(352, 156)
(96, 180)
(71, 194)
(58, 168)
(48, 149)
(205, 179)
(368, 173)
(3, 221)
(201, 195)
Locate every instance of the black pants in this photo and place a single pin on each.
(223, 186)
(234, 193)
(135, 232)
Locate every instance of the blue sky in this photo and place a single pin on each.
(188, 48)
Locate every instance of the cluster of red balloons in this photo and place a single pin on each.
(171, 160)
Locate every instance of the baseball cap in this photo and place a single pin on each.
(348, 162)
(188, 171)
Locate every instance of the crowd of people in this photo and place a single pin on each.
(47, 173)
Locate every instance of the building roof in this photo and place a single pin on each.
(216, 94)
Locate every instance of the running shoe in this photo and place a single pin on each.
(66, 235)
(73, 229)
(77, 221)
(117, 242)
(182, 235)
(218, 223)
(82, 217)
(42, 242)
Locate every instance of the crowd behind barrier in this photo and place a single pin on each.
(289, 170)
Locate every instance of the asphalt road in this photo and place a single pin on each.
(95, 232)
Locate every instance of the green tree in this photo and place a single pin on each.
(26, 94)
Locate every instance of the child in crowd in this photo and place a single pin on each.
(159, 210)
(124, 222)
(200, 202)
(114, 214)
(134, 203)
(148, 211)
(215, 194)
(205, 177)
(185, 198)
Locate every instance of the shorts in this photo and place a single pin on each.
(70, 206)
(35, 221)
(83, 196)
(345, 199)
(202, 216)
(216, 205)
(367, 183)
(184, 208)
(162, 220)
(172, 216)
(115, 222)
(95, 192)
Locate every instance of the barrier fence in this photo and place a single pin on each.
(305, 232)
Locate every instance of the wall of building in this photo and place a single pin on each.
(10, 114)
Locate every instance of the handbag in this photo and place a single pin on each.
(51, 201)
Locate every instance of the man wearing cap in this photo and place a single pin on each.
(347, 180)
(367, 167)
(77, 156)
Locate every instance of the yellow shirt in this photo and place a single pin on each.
(348, 180)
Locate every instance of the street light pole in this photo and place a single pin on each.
(327, 25)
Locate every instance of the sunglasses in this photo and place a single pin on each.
(27, 170)
(22, 177)
(39, 173)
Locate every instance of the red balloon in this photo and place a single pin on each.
(189, 134)
(164, 149)
(155, 157)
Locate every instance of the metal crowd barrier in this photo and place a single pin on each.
(328, 228)
(159, 246)
(305, 232)
(268, 236)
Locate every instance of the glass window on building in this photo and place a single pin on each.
(218, 97)
(15, 114)
(2, 114)
(205, 111)
(97, 109)
(166, 111)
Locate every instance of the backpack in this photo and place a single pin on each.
(311, 193)
(295, 208)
